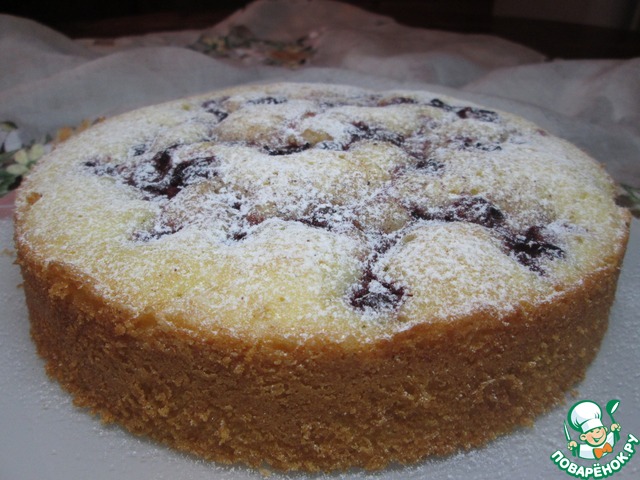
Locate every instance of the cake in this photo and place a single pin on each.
(318, 277)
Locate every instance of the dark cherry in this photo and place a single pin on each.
(320, 217)
(326, 105)
(397, 101)
(384, 243)
(466, 112)
(254, 218)
(478, 114)
(429, 165)
(171, 179)
(165, 178)
(138, 150)
(388, 298)
(162, 161)
(418, 149)
(250, 219)
(468, 143)
(102, 167)
(213, 107)
(268, 101)
(529, 246)
(436, 102)
(363, 131)
(474, 209)
(239, 235)
(188, 171)
(390, 295)
(286, 149)
(317, 222)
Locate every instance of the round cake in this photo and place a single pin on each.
(318, 277)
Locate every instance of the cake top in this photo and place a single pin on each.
(299, 210)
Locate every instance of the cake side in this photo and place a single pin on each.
(430, 390)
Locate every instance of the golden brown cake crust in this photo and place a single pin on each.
(318, 406)
(314, 277)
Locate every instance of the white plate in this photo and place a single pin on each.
(44, 437)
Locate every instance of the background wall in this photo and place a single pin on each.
(621, 14)
(618, 14)
(557, 28)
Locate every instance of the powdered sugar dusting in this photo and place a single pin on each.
(305, 209)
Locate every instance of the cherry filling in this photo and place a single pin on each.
(429, 165)
(363, 131)
(397, 101)
(475, 209)
(160, 176)
(530, 246)
(268, 101)
(138, 150)
(359, 131)
(104, 168)
(288, 149)
(436, 102)
(173, 178)
(468, 143)
(467, 112)
(162, 162)
(477, 114)
(375, 293)
(321, 217)
(372, 292)
(190, 171)
(527, 247)
(213, 107)
(164, 174)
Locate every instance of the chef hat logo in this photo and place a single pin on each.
(585, 416)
